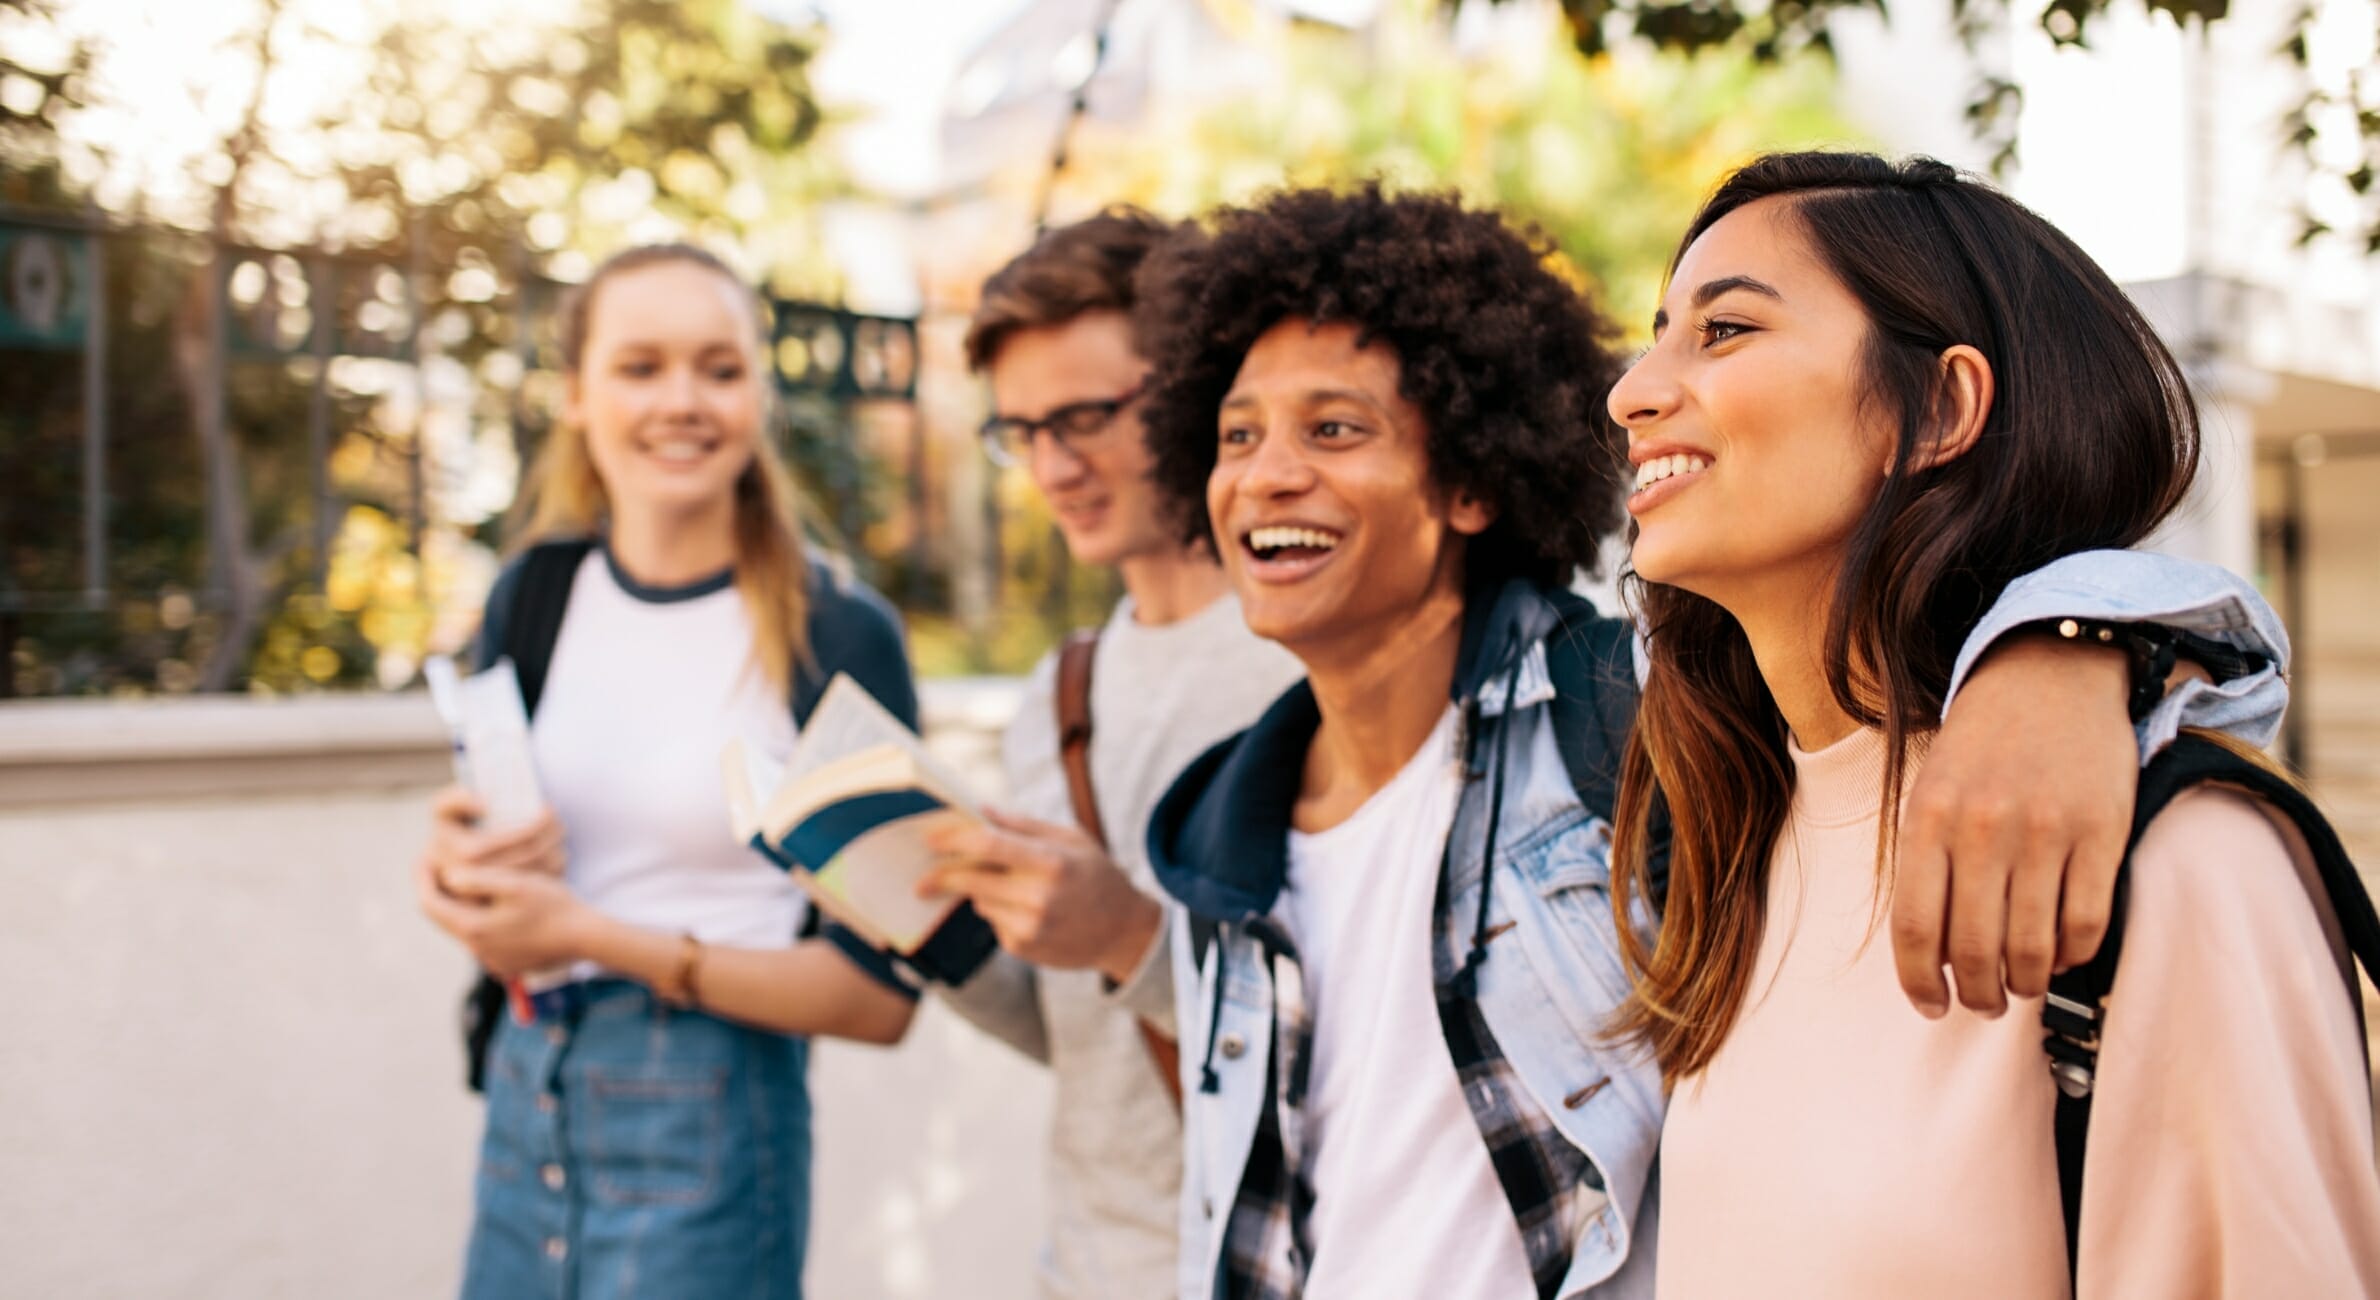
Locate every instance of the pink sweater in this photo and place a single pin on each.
(1841, 1145)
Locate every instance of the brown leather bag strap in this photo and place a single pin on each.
(1074, 753)
(1074, 727)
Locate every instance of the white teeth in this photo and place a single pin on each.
(1659, 468)
(681, 450)
(1273, 539)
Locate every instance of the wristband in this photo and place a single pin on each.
(2149, 646)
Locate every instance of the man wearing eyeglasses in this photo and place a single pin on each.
(1085, 979)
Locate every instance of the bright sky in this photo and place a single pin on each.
(896, 60)
(891, 62)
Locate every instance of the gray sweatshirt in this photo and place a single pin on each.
(1160, 696)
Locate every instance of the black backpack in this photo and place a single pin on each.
(2076, 1006)
(1592, 663)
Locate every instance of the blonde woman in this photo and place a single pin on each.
(649, 1132)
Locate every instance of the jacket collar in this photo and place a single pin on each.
(1219, 839)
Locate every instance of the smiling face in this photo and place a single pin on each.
(1097, 484)
(1755, 453)
(1330, 527)
(667, 388)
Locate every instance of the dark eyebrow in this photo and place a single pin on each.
(1354, 395)
(1312, 397)
(1712, 290)
(1729, 284)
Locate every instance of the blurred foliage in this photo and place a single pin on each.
(471, 151)
(1770, 31)
(1608, 155)
(36, 90)
(1047, 595)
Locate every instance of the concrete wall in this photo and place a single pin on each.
(228, 1061)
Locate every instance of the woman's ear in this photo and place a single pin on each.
(1962, 403)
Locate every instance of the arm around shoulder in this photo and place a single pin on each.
(2189, 596)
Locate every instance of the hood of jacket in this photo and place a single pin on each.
(1219, 839)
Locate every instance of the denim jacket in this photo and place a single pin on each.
(1551, 978)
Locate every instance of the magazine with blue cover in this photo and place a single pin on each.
(847, 814)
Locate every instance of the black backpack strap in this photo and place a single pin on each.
(524, 619)
(1203, 930)
(1592, 662)
(2076, 1008)
(535, 620)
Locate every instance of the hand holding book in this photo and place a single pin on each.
(1050, 892)
(848, 817)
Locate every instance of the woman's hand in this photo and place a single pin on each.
(456, 840)
(514, 921)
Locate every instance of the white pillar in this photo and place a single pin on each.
(2217, 522)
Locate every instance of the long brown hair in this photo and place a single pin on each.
(2091, 439)
(565, 497)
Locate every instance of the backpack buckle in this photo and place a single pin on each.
(2072, 1044)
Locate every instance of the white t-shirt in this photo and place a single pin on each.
(644, 689)
(1400, 1173)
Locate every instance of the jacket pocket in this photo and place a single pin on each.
(1572, 939)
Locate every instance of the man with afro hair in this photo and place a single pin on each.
(1398, 953)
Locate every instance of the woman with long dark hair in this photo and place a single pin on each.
(1876, 395)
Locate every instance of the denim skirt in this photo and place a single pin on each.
(634, 1149)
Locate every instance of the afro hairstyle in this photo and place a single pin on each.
(1507, 362)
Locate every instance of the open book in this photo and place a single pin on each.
(846, 815)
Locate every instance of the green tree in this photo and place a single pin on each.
(468, 155)
(1769, 31)
(37, 88)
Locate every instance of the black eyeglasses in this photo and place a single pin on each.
(1008, 439)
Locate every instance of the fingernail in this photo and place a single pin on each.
(1932, 1007)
